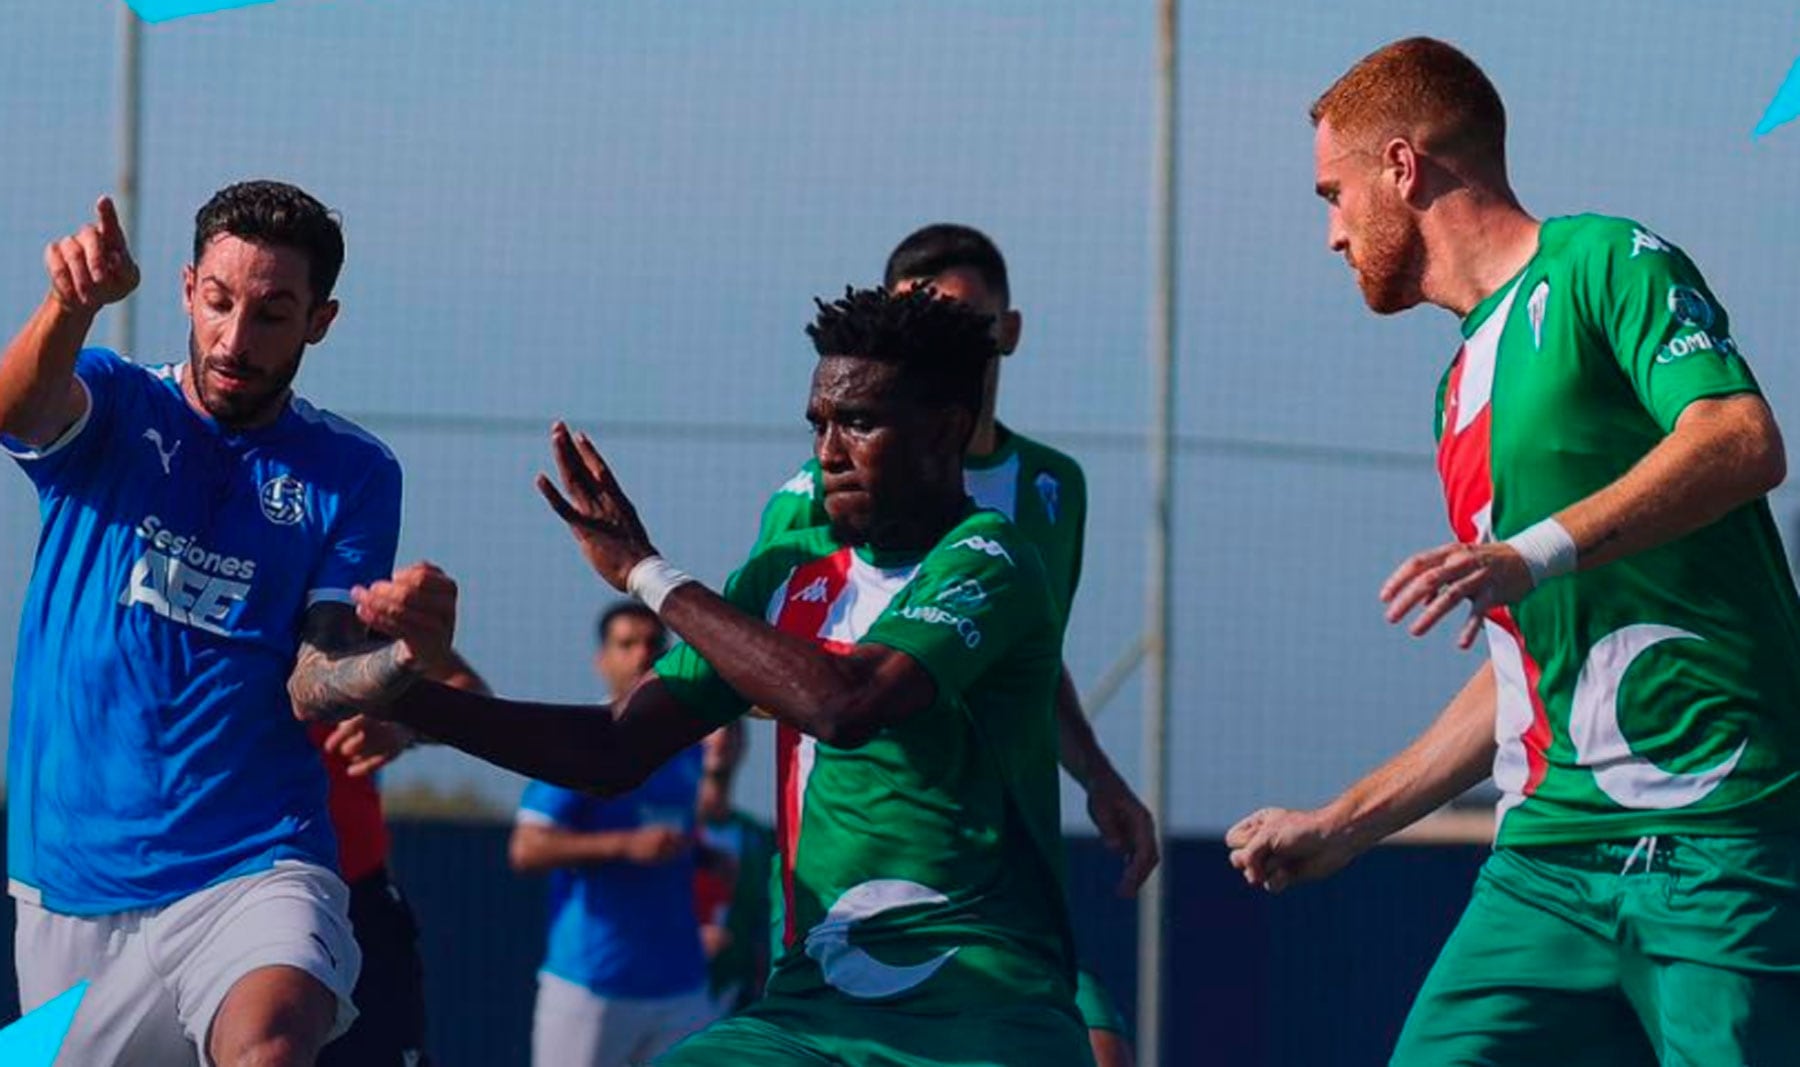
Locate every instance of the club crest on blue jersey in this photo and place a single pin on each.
(284, 500)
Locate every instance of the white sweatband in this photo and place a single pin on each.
(653, 579)
(1548, 549)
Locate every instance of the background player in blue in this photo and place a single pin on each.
(202, 530)
(624, 977)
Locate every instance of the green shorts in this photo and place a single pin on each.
(1679, 951)
(788, 1031)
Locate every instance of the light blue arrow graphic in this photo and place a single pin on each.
(1786, 105)
(164, 10)
(35, 1040)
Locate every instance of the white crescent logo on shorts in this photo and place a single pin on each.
(1629, 779)
(851, 970)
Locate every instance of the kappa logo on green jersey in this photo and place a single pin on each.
(800, 484)
(1643, 240)
(851, 970)
(986, 547)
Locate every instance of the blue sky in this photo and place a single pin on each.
(618, 213)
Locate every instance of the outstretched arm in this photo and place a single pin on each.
(342, 669)
(605, 748)
(843, 700)
(39, 396)
(1276, 848)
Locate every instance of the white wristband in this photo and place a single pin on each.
(1548, 549)
(653, 579)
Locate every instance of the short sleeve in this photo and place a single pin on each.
(61, 464)
(689, 678)
(795, 506)
(363, 537)
(551, 805)
(1668, 332)
(975, 597)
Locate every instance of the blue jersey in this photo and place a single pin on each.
(622, 929)
(154, 749)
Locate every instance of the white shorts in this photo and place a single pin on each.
(158, 975)
(572, 1026)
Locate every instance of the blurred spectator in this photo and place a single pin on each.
(731, 886)
(623, 977)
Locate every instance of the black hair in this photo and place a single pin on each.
(630, 609)
(942, 346)
(931, 250)
(276, 213)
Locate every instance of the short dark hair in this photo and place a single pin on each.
(942, 346)
(931, 250)
(276, 213)
(630, 609)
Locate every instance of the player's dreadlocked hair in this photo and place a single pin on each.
(942, 345)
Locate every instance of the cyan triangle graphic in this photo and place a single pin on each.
(1786, 105)
(164, 10)
(35, 1040)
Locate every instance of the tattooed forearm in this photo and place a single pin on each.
(329, 686)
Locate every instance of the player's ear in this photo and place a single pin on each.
(1007, 338)
(1400, 164)
(188, 279)
(319, 321)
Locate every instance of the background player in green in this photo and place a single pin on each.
(915, 647)
(1605, 455)
(1039, 488)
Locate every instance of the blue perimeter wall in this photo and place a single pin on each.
(1320, 976)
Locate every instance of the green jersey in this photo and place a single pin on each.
(1659, 693)
(923, 870)
(1040, 489)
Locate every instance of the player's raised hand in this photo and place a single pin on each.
(1126, 827)
(1275, 848)
(1484, 576)
(367, 744)
(417, 608)
(92, 267)
(596, 510)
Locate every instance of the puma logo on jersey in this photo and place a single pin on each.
(983, 545)
(817, 592)
(154, 436)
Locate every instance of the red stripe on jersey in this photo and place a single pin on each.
(805, 609)
(1465, 464)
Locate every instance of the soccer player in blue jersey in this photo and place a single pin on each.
(202, 529)
(623, 977)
